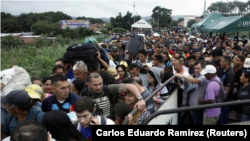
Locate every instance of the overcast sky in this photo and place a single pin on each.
(104, 8)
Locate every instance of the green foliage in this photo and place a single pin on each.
(104, 31)
(162, 16)
(42, 41)
(180, 20)
(119, 30)
(41, 27)
(124, 21)
(9, 42)
(92, 20)
(232, 8)
(108, 26)
(39, 61)
(25, 21)
(190, 23)
(78, 33)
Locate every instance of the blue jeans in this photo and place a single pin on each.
(197, 117)
(223, 115)
(245, 117)
(3, 114)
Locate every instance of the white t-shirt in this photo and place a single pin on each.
(111, 63)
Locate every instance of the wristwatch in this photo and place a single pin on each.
(186, 77)
(140, 98)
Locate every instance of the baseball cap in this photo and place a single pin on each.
(114, 48)
(240, 44)
(247, 63)
(108, 50)
(113, 72)
(209, 69)
(106, 40)
(124, 63)
(34, 91)
(195, 50)
(19, 98)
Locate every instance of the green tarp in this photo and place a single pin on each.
(229, 24)
(212, 17)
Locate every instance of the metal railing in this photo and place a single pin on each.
(125, 122)
(184, 109)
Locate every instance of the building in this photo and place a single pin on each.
(25, 37)
(14, 35)
(188, 18)
(96, 26)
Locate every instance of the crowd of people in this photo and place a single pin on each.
(65, 104)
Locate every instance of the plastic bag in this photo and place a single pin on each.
(72, 116)
(15, 78)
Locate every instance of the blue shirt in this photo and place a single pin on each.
(10, 124)
(38, 106)
(87, 132)
(70, 74)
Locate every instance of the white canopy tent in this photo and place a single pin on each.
(141, 24)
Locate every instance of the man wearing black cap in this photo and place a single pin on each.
(19, 107)
(197, 54)
(115, 55)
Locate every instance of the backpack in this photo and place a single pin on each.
(85, 52)
(80, 52)
(222, 92)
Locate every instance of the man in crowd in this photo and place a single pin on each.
(106, 96)
(211, 115)
(134, 71)
(62, 98)
(115, 55)
(19, 107)
(228, 79)
(198, 92)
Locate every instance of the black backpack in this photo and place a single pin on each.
(80, 52)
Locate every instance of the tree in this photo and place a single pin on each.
(235, 8)
(125, 21)
(163, 15)
(92, 20)
(180, 20)
(190, 22)
(174, 23)
(108, 26)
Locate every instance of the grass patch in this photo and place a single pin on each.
(37, 61)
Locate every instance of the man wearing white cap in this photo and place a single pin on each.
(247, 64)
(211, 116)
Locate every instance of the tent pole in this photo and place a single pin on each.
(237, 36)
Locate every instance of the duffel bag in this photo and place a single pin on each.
(80, 52)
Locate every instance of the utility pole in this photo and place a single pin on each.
(134, 12)
(158, 18)
(134, 9)
(204, 9)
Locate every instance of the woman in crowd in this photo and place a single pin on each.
(60, 126)
(77, 86)
(121, 69)
(47, 87)
(154, 81)
(139, 117)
